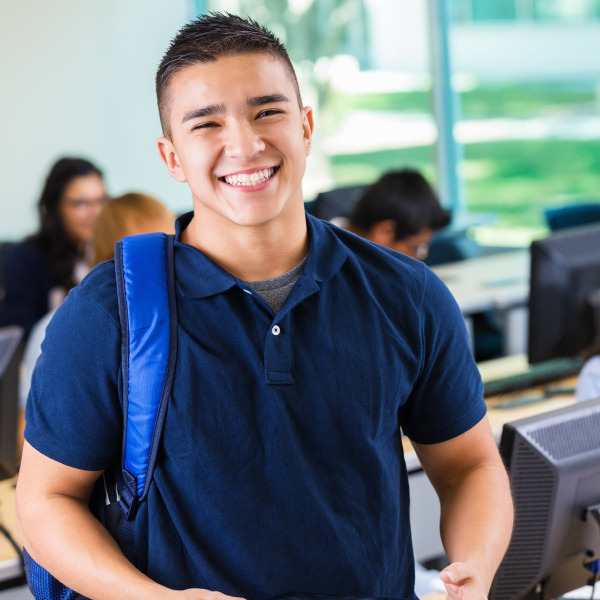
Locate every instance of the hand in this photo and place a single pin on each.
(198, 594)
(463, 582)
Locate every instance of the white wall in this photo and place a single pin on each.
(77, 78)
(399, 35)
(528, 51)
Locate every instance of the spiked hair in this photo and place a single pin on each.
(208, 38)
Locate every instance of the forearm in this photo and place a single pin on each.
(476, 519)
(61, 534)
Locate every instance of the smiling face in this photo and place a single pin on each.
(239, 139)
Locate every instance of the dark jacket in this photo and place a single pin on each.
(27, 282)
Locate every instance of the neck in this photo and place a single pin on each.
(251, 253)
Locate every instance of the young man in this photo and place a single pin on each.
(400, 211)
(302, 350)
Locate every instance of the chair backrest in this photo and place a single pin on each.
(452, 247)
(11, 350)
(335, 203)
(4, 248)
(574, 215)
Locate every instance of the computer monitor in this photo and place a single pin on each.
(565, 273)
(553, 461)
(11, 350)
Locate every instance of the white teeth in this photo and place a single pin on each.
(249, 179)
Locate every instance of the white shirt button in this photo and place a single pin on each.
(276, 330)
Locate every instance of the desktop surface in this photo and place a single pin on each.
(522, 376)
(490, 282)
(494, 282)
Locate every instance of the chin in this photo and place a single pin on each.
(257, 215)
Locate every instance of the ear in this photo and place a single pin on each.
(169, 155)
(383, 233)
(307, 127)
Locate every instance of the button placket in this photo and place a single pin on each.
(278, 352)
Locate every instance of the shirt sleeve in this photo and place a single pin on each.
(73, 412)
(447, 398)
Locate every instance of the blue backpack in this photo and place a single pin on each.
(146, 293)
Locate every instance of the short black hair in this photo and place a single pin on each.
(406, 198)
(208, 38)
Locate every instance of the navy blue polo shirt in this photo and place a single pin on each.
(281, 467)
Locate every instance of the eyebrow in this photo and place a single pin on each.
(205, 111)
(268, 99)
(215, 109)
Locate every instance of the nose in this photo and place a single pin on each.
(242, 141)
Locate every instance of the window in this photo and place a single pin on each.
(530, 124)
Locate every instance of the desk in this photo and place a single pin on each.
(498, 282)
(425, 512)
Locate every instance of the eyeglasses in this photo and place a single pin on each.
(80, 204)
(421, 251)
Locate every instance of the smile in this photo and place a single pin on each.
(250, 179)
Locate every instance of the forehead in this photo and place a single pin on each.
(227, 80)
(85, 185)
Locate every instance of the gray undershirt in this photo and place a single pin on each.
(275, 291)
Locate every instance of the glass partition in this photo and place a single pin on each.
(528, 72)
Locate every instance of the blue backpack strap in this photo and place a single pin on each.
(146, 292)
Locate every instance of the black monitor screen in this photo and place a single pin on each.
(11, 346)
(565, 271)
(553, 461)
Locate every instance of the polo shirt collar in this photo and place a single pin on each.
(199, 277)
(326, 253)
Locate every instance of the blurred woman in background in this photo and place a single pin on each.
(40, 271)
(129, 214)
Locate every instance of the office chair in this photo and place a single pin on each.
(11, 351)
(574, 215)
(451, 247)
(338, 202)
(4, 248)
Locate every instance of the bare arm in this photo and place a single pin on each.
(61, 534)
(476, 519)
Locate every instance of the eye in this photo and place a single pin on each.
(268, 112)
(204, 125)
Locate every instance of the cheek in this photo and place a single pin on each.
(198, 160)
(403, 248)
(294, 148)
(95, 212)
(66, 218)
(74, 222)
